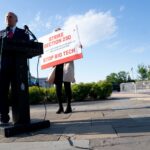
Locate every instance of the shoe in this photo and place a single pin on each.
(4, 119)
(60, 110)
(68, 110)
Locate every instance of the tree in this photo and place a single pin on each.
(119, 77)
(143, 72)
(112, 78)
(123, 76)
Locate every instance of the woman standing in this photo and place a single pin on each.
(63, 73)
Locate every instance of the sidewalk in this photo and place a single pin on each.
(123, 122)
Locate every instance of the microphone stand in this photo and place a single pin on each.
(29, 32)
(4, 34)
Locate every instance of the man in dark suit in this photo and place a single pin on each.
(7, 70)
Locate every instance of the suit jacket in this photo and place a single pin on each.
(19, 35)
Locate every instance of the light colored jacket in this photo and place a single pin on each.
(68, 73)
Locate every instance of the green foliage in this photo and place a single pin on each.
(101, 90)
(80, 92)
(95, 90)
(119, 77)
(112, 78)
(122, 76)
(143, 72)
(51, 94)
(36, 94)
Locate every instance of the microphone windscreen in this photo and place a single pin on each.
(8, 28)
(26, 27)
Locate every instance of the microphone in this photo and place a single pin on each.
(26, 27)
(4, 32)
(28, 31)
(8, 29)
(3, 35)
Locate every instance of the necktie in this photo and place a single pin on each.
(10, 34)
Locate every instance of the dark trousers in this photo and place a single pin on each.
(14, 72)
(68, 92)
(58, 82)
(6, 77)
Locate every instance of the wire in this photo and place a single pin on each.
(44, 101)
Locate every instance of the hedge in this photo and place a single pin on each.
(36, 94)
(80, 92)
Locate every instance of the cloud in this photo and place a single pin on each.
(122, 8)
(38, 17)
(58, 17)
(39, 23)
(114, 44)
(139, 50)
(93, 26)
(48, 25)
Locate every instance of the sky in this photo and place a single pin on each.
(115, 34)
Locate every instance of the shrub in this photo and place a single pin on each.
(36, 95)
(80, 92)
(95, 89)
(106, 89)
(51, 94)
(101, 90)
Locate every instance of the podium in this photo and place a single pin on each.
(21, 51)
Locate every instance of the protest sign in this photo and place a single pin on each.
(60, 47)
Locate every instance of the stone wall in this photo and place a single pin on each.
(137, 87)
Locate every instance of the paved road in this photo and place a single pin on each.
(123, 122)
